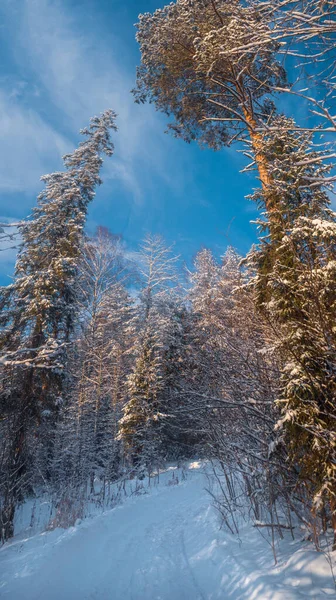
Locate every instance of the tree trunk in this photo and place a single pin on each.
(263, 169)
(333, 519)
(257, 145)
(16, 456)
(13, 487)
(7, 520)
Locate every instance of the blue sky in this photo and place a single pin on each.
(66, 60)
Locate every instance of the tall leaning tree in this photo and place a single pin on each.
(38, 314)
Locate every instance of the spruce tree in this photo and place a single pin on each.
(140, 425)
(180, 436)
(295, 288)
(39, 311)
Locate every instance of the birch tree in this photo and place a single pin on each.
(157, 270)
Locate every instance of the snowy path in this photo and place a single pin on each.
(165, 545)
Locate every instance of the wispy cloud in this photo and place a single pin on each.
(28, 146)
(81, 75)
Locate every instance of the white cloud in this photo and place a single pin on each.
(28, 146)
(83, 75)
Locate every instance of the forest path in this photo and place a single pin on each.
(162, 545)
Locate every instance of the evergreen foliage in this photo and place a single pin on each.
(190, 67)
(40, 308)
(295, 286)
(140, 426)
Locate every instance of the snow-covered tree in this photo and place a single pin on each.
(157, 270)
(140, 425)
(39, 310)
(234, 390)
(181, 436)
(295, 286)
(101, 361)
(212, 65)
(191, 68)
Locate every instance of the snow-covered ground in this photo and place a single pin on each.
(164, 544)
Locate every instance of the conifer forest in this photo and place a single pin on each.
(132, 375)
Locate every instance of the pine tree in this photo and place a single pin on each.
(104, 363)
(39, 310)
(199, 63)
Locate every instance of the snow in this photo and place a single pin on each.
(163, 544)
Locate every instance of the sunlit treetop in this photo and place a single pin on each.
(194, 69)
